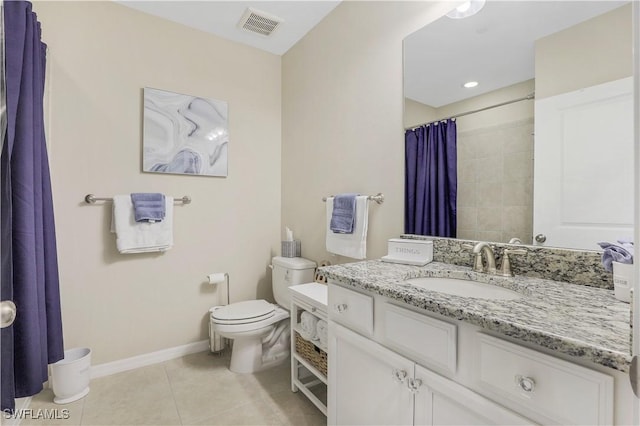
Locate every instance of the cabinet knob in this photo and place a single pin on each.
(527, 384)
(541, 238)
(399, 375)
(341, 307)
(414, 385)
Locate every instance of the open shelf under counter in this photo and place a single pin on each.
(306, 375)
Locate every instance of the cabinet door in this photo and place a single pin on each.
(440, 401)
(367, 382)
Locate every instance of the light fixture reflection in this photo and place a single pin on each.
(470, 84)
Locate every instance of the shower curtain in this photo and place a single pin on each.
(431, 179)
(28, 244)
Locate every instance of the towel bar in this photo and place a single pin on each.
(91, 199)
(378, 198)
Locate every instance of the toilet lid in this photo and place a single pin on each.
(253, 310)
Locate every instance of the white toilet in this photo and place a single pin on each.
(259, 329)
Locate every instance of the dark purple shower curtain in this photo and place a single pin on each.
(29, 257)
(431, 180)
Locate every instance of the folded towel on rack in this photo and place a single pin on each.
(343, 215)
(308, 324)
(322, 332)
(351, 245)
(148, 206)
(140, 237)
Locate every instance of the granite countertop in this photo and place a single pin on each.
(584, 322)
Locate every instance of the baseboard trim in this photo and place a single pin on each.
(144, 360)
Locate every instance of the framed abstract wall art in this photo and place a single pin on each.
(184, 134)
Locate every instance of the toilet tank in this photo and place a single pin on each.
(288, 271)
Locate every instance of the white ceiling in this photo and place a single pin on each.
(221, 18)
(494, 47)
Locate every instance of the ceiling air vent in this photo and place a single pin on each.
(259, 22)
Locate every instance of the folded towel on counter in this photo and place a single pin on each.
(321, 331)
(308, 324)
(614, 253)
(351, 245)
(343, 216)
(626, 243)
(140, 237)
(148, 206)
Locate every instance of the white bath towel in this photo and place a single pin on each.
(140, 237)
(350, 245)
(321, 332)
(308, 324)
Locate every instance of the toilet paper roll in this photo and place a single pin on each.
(217, 278)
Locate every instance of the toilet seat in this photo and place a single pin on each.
(243, 312)
(244, 327)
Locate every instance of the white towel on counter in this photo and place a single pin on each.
(308, 325)
(321, 331)
(140, 237)
(351, 245)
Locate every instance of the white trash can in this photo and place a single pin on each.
(70, 376)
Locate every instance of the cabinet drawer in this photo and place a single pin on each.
(547, 388)
(352, 309)
(427, 340)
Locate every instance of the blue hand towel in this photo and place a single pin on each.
(614, 253)
(343, 217)
(148, 206)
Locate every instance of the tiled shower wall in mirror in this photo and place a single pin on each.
(495, 182)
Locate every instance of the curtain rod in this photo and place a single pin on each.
(530, 96)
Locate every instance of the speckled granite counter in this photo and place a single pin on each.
(584, 322)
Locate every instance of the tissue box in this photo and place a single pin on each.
(291, 248)
(409, 252)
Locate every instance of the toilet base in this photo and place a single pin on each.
(257, 346)
(246, 357)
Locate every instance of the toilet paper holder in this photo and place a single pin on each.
(219, 278)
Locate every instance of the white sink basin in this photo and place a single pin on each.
(464, 288)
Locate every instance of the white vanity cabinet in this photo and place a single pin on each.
(395, 364)
(372, 385)
(367, 382)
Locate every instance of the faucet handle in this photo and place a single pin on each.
(477, 259)
(505, 270)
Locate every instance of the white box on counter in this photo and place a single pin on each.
(409, 252)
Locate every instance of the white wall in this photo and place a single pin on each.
(342, 123)
(587, 54)
(417, 113)
(101, 55)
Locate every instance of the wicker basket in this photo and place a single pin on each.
(311, 353)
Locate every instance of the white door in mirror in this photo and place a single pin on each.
(578, 137)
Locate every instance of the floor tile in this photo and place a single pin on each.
(43, 411)
(253, 413)
(295, 409)
(137, 397)
(197, 389)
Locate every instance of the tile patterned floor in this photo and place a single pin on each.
(196, 389)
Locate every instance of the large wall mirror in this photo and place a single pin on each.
(545, 153)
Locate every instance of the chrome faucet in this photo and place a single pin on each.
(479, 249)
(490, 268)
